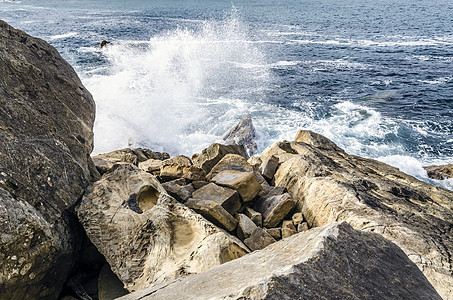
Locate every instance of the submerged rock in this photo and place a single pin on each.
(243, 133)
(46, 122)
(330, 185)
(330, 262)
(145, 235)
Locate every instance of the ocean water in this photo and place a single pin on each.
(376, 77)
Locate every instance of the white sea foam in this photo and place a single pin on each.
(177, 91)
(63, 36)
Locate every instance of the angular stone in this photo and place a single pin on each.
(316, 140)
(275, 232)
(214, 213)
(180, 160)
(180, 193)
(255, 162)
(230, 162)
(274, 208)
(297, 218)
(288, 229)
(210, 156)
(268, 167)
(149, 165)
(145, 235)
(259, 239)
(227, 198)
(199, 184)
(46, 137)
(245, 227)
(330, 185)
(174, 170)
(302, 227)
(243, 133)
(255, 216)
(245, 183)
(270, 191)
(329, 262)
(440, 172)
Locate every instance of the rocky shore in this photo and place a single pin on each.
(303, 219)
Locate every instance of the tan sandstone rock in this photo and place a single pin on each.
(330, 262)
(210, 156)
(245, 183)
(145, 235)
(226, 197)
(440, 172)
(230, 162)
(274, 208)
(330, 185)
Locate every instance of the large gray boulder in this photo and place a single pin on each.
(330, 262)
(145, 235)
(243, 133)
(46, 121)
(330, 185)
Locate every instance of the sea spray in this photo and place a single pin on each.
(170, 92)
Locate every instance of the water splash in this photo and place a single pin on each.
(169, 93)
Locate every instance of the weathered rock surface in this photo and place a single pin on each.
(226, 197)
(268, 167)
(245, 227)
(330, 262)
(330, 185)
(145, 235)
(180, 159)
(440, 172)
(151, 165)
(245, 183)
(175, 170)
(210, 156)
(230, 162)
(46, 121)
(255, 216)
(274, 208)
(243, 133)
(259, 239)
(134, 156)
(213, 212)
(179, 191)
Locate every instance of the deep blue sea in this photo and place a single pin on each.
(376, 77)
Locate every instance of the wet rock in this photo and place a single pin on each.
(226, 197)
(259, 239)
(245, 183)
(330, 185)
(145, 235)
(174, 170)
(440, 172)
(245, 227)
(243, 133)
(230, 162)
(46, 122)
(268, 167)
(255, 216)
(330, 262)
(210, 156)
(274, 208)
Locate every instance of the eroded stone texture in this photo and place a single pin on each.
(329, 262)
(210, 156)
(145, 235)
(226, 197)
(330, 185)
(274, 208)
(243, 133)
(46, 121)
(245, 183)
(440, 172)
(230, 162)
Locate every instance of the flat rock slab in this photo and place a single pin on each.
(145, 235)
(329, 262)
(245, 183)
(226, 197)
(213, 212)
(330, 186)
(230, 162)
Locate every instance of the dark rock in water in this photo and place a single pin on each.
(210, 156)
(329, 262)
(329, 186)
(440, 172)
(243, 133)
(46, 121)
(104, 43)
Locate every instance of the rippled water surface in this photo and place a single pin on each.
(374, 76)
